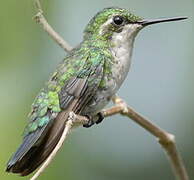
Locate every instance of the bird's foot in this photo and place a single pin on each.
(91, 121)
(100, 117)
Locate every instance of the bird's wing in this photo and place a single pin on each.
(50, 112)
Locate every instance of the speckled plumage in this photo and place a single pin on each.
(83, 82)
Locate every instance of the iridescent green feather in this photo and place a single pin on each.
(79, 63)
(100, 18)
(94, 50)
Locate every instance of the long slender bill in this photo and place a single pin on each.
(154, 21)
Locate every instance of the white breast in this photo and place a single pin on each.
(121, 49)
(122, 52)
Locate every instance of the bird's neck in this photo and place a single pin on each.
(121, 50)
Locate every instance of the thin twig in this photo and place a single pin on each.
(166, 139)
(73, 119)
(51, 32)
(66, 130)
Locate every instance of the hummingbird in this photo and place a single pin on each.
(83, 83)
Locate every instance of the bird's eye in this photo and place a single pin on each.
(118, 20)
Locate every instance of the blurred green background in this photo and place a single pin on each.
(159, 85)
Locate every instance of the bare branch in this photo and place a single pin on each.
(66, 130)
(166, 140)
(38, 5)
(73, 119)
(51, 32)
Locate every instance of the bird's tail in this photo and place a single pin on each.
(34, 151)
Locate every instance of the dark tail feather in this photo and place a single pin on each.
(37, 154)
(26, 150)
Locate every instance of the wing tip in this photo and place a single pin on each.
(10, 164)
(8, 168)
(14, 167)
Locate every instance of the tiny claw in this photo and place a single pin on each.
(100, 117)
(90, 122)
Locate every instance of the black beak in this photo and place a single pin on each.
(149, 22)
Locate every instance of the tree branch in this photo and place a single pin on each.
(166, 140)
(40, 19)
(66, 130)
